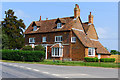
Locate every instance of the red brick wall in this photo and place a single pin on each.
(78, 50)
(49, 36)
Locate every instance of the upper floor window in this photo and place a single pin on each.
(34, 28)
(58, 38)
(44, 39)
(73, 39)
(31, 40)
(59, 25)
(91, 51)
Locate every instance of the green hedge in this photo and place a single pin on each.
(19, 55)
(107, 60)
(88, 59)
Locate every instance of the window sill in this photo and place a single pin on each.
(57, 56)
(31, 42)
(44, 42)
(73, 42)
(91, 55)
(58, 41)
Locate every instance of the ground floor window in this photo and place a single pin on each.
(91, 51)
(57, 52)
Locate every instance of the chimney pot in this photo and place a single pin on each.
(90, 18)
(76, 11)
(40, 18)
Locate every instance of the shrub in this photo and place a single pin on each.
(27, 48)
(39, 47)
(88, 59)
(107, 60)
(19, 55)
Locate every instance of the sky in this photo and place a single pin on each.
(105, 16)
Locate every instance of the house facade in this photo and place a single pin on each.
(66, 38)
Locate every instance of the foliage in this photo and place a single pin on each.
(88, 59)
(12, 30)
(39, 47)
(27, 48)
(107, 60)
(114, 52)
(19, 55)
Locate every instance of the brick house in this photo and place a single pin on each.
(66, 38)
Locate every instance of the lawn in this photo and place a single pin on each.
(72, 63)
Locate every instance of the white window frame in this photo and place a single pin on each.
(60, 52)
(59, 25)
(34, 28)
(72, 40)
(61, 39)
(32, 41)
(99, 56)
(44, 39)
(92, 51)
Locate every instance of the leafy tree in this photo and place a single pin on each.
(114, 52)
(12, 30)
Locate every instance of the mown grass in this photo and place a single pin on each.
(72, 63)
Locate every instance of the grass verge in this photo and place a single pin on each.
(72, 63)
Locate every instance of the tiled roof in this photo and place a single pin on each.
(83, 38)
(50, 25)
(100, 48)
(87, 42)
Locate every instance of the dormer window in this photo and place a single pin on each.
(34, 28)
(59, 25)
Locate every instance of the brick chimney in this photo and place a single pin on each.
(76, 11)
(46, 18)
(40, 18)
(90, 17)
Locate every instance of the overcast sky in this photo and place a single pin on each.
(105, 15)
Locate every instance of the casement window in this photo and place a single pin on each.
(91, 51)
(44, 39)
(31, 40)
(59, 25)
(73, 39)
(58, 38)
(57, 52)
(34, 28)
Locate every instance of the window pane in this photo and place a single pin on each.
(35, 28)
(89, 52)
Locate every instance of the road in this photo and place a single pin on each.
(22, 70)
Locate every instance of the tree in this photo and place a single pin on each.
(12, 30)
(114, 52)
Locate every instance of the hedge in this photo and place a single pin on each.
(19, 55)
(88, 59)
(107, 60)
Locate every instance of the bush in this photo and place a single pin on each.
(27, 48)
(88, 59)
(39, 47)
(19, 55)
(107, 60)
